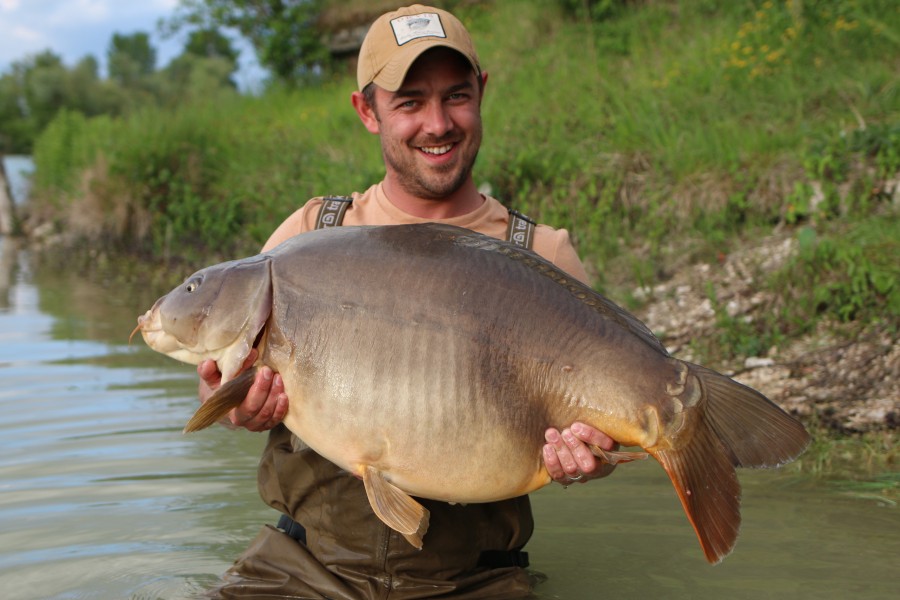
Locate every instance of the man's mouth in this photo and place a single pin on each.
(436, 150)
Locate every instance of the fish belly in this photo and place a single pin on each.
(449, 402)
(414, 410)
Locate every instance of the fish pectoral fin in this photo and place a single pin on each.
(615, 457)
(395, 507)
(229, 395)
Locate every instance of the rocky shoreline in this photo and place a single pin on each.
(837, 378)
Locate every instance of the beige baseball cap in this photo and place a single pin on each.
(396, 39)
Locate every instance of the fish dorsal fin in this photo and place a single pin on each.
(396, 508)
(228, 396)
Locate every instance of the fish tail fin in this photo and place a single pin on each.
(708, 489)
(754, 430)
(736, 426)
(228, 396)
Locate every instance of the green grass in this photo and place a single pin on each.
(863, 466)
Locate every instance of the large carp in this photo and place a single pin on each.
(429, 360)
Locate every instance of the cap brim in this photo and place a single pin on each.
(391, 77)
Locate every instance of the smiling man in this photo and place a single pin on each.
(420, 90)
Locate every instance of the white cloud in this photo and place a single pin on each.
(27, 35)
(19, 41)
(9, 5)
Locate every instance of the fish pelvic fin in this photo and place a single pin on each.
(228, 396)
(615, 457)
(397, 509)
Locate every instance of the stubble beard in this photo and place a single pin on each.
(432, 183)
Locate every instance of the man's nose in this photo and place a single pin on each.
(437, 121)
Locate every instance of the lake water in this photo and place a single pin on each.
(18, 169)
(101, 496)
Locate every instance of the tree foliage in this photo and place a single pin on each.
(39, 87)
(131, 58)
(283, 32)
(208, 63)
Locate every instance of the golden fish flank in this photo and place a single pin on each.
(390, 335)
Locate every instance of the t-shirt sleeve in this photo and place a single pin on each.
(300, 221)
(566, 258)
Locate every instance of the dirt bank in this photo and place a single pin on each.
(835, 377)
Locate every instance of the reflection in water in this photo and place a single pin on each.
(9, 256)
(102, 497)
(18, 169)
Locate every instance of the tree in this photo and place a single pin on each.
(87, 93)
(15, 127)
(283, 32)
(204, 69)
(210, 43)
(30, 96)
(131, 59)
(45, 87)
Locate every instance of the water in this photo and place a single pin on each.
(18, 169)
(101, 496)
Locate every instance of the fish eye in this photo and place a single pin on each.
(192, 285)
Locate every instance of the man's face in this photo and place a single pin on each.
(431, 127)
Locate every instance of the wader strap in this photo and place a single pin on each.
(331, 214)
(521, 230)
(292, 528)
(500, 559)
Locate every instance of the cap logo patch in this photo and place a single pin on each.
(417, 26)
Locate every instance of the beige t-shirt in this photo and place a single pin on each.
(372, 207)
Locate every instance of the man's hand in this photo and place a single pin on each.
(266, 403)
(568, 458)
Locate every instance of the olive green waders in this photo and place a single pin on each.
(350, 554)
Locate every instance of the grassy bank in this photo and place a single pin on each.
(862, 466)
(658, 133)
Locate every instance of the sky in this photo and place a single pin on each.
(73, 29)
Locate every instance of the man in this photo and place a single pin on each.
(420, 91)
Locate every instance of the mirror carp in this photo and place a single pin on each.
(428, 360)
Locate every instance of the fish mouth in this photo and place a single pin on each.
(141, 325)
(150, 326)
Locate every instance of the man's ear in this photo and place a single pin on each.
(484, 78)
(365, 111)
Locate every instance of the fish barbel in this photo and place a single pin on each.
(429, 360)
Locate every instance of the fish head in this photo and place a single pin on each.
(217, 313)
